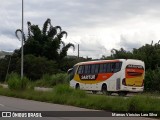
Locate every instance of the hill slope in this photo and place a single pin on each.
(4, 53)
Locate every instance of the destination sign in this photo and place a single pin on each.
(135, 66)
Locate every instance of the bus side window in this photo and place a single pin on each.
(96, 68)
(120, 66)
(105, 68)
(108, 67)
(87, 69)
(101, 68)
(116, 66)
(113, 65)
(93, 68)
(81, 69)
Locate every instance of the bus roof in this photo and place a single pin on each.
(103, 61)
(96, 62)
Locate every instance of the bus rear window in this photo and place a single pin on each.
(134, 70)
(134, 73)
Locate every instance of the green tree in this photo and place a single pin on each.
(121, 54)
(46, 42)
(36, 67)
(44, 52)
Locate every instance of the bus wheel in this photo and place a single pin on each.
(122, 93)
(104, 90)
(94, 92)
(77, 86)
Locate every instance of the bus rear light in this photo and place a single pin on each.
(124, 81)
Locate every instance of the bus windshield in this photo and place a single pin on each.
(71, 72)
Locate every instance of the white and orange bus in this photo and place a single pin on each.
(109, 76)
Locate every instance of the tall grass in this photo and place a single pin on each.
(52, 80)
(16, 83)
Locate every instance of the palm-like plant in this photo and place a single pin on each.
(46, 42)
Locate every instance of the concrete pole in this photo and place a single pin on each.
(78, 51)
(22, 45)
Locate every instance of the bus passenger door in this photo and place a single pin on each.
(118, 84)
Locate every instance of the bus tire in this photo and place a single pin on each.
(77, 86)
(104, 90)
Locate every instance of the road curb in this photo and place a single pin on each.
(42, 89)
(35, 88)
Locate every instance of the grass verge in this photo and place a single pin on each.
(63, 94)
(52, 80)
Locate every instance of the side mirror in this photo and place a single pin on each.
(70, 70)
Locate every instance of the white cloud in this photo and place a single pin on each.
(9, 44)
(89, 46)
(94, 24)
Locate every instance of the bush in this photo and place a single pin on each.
(152, 80)
(15, 83)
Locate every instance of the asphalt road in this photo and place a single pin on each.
(16, 104)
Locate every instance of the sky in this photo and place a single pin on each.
(96, 25)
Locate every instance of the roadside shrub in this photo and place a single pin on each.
(15, 83)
